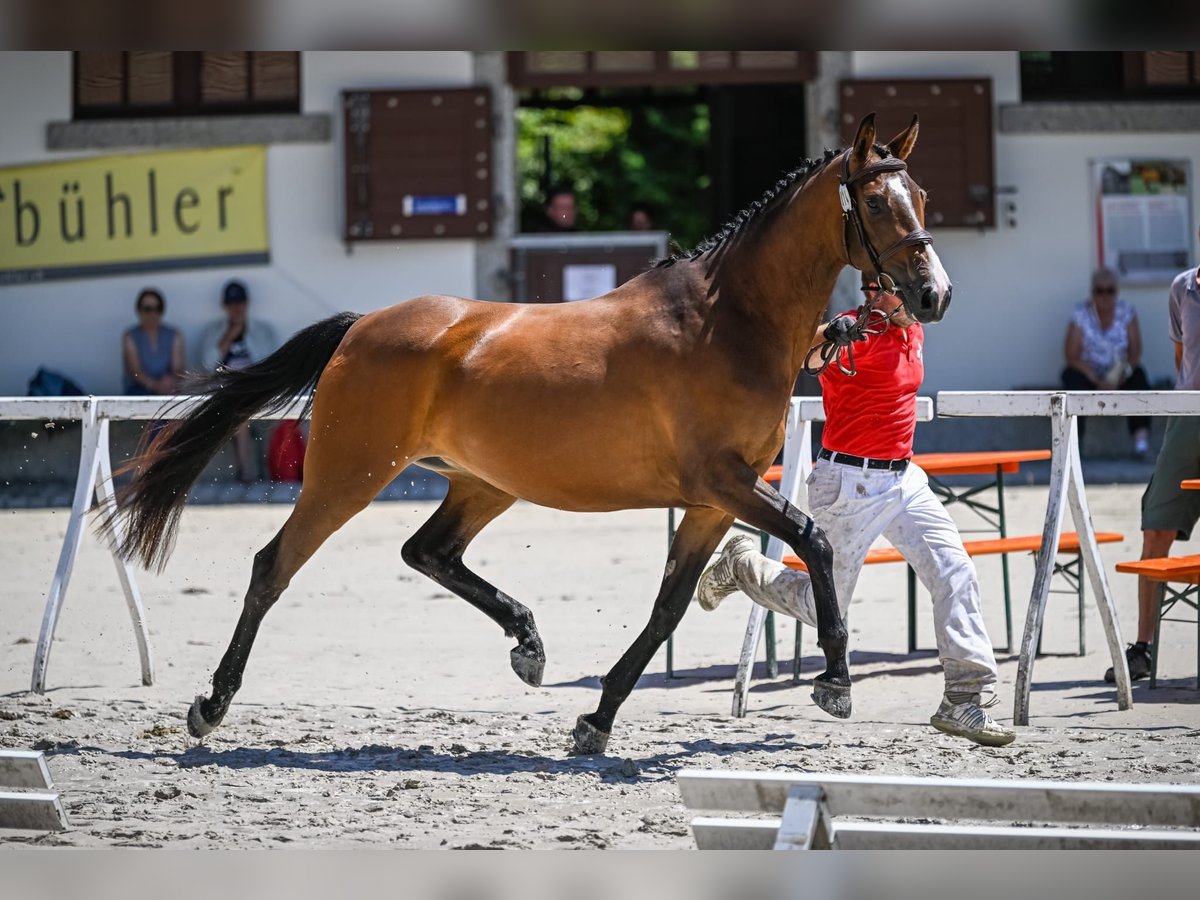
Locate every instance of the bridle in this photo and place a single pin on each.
(870, 321)
(851, 216)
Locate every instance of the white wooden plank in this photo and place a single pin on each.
(1090, 551)
(801, 816)
(896, 836)
(812, 409)
(734, 834)
(1063, 437)
(85, 486)
(172, 407)
(34, 811)
(43, 408)
(24, 769)
(1077, 403)
(107, 499)
(59, 408)
(745, 668)
(1160, 805)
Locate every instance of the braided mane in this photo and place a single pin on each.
(753, 213)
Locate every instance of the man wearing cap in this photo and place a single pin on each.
(1169, 513)
(864, 485)
(235, 342)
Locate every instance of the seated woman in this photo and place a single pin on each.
(1104, 351)
(151, 352)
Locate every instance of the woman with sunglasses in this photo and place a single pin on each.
(1104, 351)
(152, 351)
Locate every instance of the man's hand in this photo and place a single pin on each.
(841, 331)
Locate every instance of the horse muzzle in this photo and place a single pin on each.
(927, 303)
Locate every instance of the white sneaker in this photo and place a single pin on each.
(968, 720)
(717, 581)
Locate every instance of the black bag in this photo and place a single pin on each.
(53, 384)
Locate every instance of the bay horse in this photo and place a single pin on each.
(670, 390)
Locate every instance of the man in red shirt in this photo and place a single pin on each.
(864, 485)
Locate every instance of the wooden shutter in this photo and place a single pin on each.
(638, 68)
(143, 83)
(954, 156)
(418, 164)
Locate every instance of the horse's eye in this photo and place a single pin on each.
(873, 205)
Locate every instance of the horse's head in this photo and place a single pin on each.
(884, 222)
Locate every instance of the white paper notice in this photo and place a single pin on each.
(1144, 226)
(582, 282)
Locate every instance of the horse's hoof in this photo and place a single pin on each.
(833, 698)
(589, 739)
(529, 668)
(198, 726)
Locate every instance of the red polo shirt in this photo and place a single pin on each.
(875, 413)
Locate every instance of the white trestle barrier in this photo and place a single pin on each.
(1066, 484)
(797, 465)
(95, 478)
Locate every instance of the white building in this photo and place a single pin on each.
(1015, 283)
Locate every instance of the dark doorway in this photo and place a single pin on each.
(758, 135)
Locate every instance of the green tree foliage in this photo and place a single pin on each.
(615, 157)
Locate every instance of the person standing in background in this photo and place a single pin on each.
(1168, 511)
(235, 342)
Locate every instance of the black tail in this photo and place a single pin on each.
(165, 469)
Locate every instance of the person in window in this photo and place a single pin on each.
(152, 352)
(863, 485)
(1104, 351)
(234, 342)
(558, 212)
(641, 218)
(1168, 511)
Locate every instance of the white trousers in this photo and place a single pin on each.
(854, 507)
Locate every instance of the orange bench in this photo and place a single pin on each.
(1068, 542)
(1168, 571)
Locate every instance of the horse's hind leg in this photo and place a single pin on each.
(436, 551)
(697, 537)
(321, 510)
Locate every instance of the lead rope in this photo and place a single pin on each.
(870, 321)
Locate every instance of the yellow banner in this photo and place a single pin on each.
(109, 214)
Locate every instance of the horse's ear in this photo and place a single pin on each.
(902, 144)
(864, 139)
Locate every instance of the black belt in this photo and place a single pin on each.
(859, 462)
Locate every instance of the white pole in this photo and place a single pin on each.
(1090, 551)
(106, 496)
(85, 484)
(1063, 434)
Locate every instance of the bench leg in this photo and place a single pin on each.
(1079, 587)
(796, 653)
(1162, 598)
(772, 658)
(912, 610)
(1003, 529)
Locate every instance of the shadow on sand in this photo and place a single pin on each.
(427, 760)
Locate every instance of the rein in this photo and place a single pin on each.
(870, 321)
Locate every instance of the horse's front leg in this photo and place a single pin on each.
(697, 538)
(753, 501)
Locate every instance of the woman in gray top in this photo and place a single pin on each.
(152, 352)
